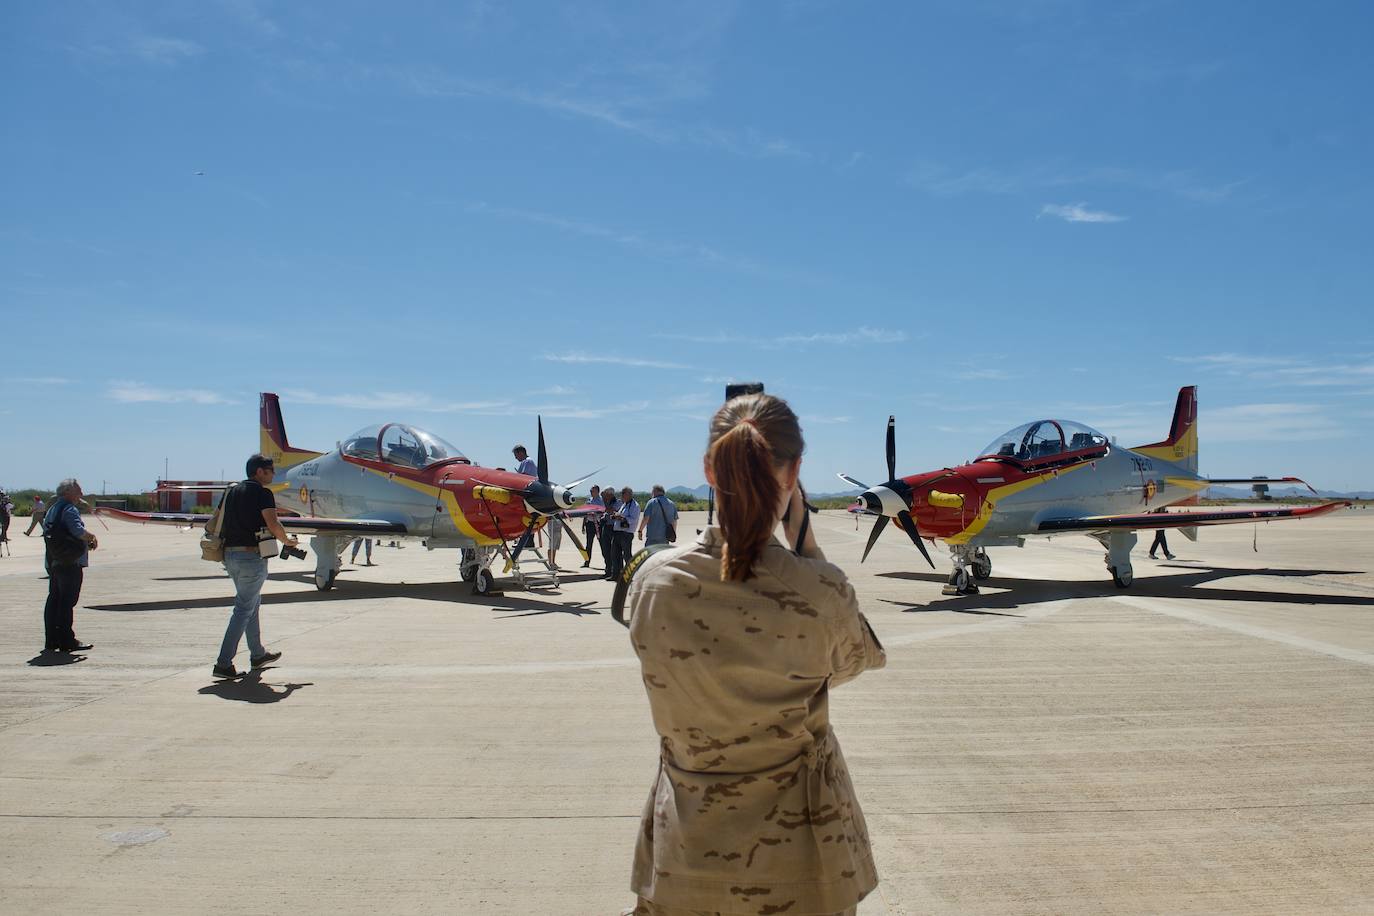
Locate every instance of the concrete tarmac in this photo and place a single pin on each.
(1200, 743)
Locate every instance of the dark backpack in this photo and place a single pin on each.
(63, 548)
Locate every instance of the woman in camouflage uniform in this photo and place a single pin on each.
(740, 640)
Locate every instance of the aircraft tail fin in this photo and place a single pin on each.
(1181, 446)
(272, 440)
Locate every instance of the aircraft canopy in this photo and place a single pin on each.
(397, 443)
(1040, 438)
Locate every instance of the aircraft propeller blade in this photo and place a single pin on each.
(873, 538)
(909, 525)
(583, 479)
(542, 459)
(568, 530)
(891, 448)
(852, 482)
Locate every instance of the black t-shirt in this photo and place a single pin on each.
(243, 507)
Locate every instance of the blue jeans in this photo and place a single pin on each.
(249, 572)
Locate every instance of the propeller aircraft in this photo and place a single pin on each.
(399, 481)
(1050, 477)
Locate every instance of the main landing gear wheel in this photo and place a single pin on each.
(982, 566)
(467, 566)
(483, 582)
(1122, 579)
(328, 583)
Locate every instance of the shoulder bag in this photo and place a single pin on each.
(212, 541)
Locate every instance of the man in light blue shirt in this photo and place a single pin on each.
(524, 463)
(659, 515)
(626, 521)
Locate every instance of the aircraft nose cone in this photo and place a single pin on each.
(884, 500)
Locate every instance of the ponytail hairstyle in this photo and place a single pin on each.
(751, 437)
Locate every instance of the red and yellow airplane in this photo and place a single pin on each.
(398, 481)
(1051, 477)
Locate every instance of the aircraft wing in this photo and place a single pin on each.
(582, 510)
(1149, 520)
(296, 524)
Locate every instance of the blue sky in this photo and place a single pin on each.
(460, 215)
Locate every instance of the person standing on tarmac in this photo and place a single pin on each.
(62, 528)
(248, 508)
(740, 641)
(589, 525)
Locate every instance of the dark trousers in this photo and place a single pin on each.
(64, 590)
(622, 549)
(605, 539)
(1160, 541)
(588, 536)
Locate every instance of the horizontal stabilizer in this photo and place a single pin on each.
(1259, 481)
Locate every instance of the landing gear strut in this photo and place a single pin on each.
(1118, 556)
(475, 567)
(328, 559)
(960, 582)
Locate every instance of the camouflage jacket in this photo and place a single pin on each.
(752, 810)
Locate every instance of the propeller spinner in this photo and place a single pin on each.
(890, 500)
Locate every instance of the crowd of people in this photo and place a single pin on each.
(699, 849)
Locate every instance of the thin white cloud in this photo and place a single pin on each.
(251, 17)
(1288, 371)
(157, 49)
(860, 335)
(138, 393)
(942, 181)
(1281, 422)
(1079, 213)
(392, 401)
(626, 116)
(596, 358)
(983, 374)
(814, 418)
(660, 248)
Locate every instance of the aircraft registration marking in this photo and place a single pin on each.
(992, 480)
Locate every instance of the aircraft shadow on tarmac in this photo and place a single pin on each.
(251, 688)
(1002, 593)
(345, 590)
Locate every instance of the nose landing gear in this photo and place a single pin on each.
(966, 558)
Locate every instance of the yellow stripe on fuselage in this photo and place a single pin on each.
(447, 499)
(995, 495)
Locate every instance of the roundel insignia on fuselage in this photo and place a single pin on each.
(304, 494)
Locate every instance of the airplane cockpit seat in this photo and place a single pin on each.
(1008, 449)
(405, 456)
(362, 447)
(1081, 440)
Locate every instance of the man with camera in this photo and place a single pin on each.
(251, 530)
(66, 555)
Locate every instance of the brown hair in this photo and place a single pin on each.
(751, 436)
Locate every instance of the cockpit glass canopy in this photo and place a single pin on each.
(397, 443)
(1041, 438)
